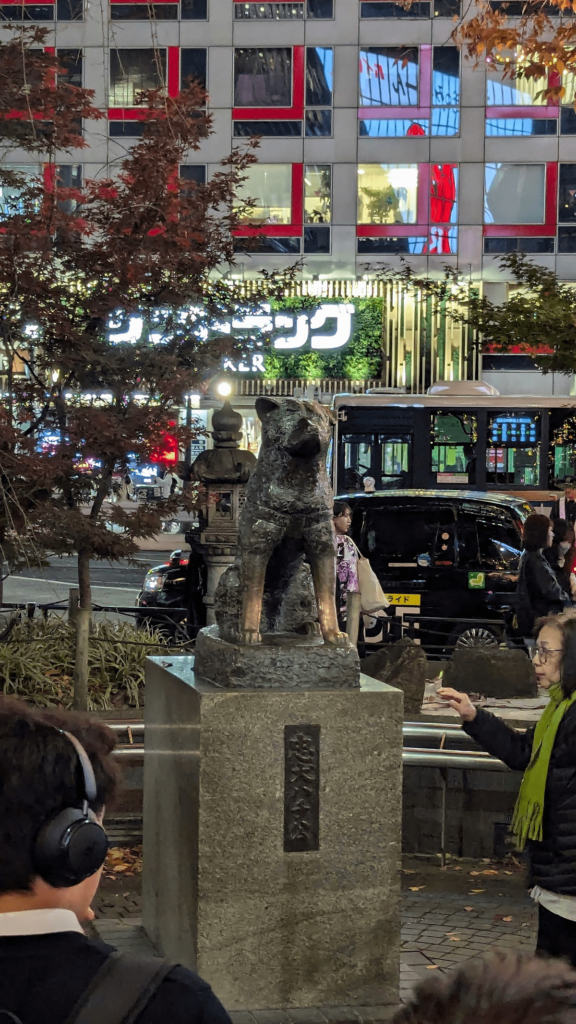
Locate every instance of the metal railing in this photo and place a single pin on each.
(412, 756)
(285, 387)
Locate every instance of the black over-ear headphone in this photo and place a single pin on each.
(72, 845)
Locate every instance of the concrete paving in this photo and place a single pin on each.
(440, 932)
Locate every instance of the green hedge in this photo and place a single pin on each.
(360, 359)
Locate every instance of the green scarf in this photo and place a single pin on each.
(529, 809)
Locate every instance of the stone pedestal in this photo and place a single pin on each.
(272, 838)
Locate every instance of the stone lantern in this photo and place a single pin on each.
(223, 471)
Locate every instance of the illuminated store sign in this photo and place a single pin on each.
(326, 328)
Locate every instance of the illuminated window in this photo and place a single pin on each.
(263, 77)
(270, 188)
(514, 194)
(283, 10)
(513, 453)
(16, 178)
(453, 454)
(387, 193)
(133, 70)
(388, 76)
(317, 193)
(516, 92)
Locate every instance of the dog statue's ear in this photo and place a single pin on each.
(332, 416)
(264, 406)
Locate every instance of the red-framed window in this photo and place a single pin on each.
(520, 207)
(283, 91)
(131, 70)
(515, 108)
(408, 208)
(408, 91)
(291, 210)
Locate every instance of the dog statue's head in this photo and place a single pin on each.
(303, 429)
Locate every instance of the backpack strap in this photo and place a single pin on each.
(120, 990)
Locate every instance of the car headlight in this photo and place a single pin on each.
(153, 581)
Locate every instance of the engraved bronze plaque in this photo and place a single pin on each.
(301, 788)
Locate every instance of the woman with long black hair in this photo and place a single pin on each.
(544, 820)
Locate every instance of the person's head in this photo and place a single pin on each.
(510, 987)
(563, 536)
(369, 484)
(342, 517)
(570, 492)
(537, 532)
(554, 653)
(41, 775)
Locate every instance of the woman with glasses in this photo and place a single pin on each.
(538, 591)
(544, 818)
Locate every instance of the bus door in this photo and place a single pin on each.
(395, 461)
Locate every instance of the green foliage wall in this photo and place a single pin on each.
(360, 359)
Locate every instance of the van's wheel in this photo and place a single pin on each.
(465, 638)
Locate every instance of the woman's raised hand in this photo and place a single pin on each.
(459, 701)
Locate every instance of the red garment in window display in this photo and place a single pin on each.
(415, 129)
(442, 193)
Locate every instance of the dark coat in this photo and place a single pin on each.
(538, 591)
(570, 509)
(554, 556)
(552, 862)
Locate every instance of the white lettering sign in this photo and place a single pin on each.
(328, 327)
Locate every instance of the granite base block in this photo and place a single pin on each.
(281, 662)
(269, 928)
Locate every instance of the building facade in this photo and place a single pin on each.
(379, 140)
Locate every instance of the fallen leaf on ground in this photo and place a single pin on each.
(416, 888)
(454, 938)
(408, 871)
(468, 908)
(508, 872)
(490, 871)
(123, 861)
(431, 967)
(476, 890)
(507, 918)
(474, 872)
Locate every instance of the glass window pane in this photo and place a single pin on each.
(133, 70)
(194, 10)
(269, 12)
(518, 466)
(388, 76)
(396, 535)
(319, 76)
(192, 66)
(563, 446)
(11, 203)
(71, 63)
(263, 78)
(320, 8)
(453, 456)
(393, 128)
(520, 92)
(270, 186)
(567, 193)
(443, 194)
(514, 194)
(521, 126)
(317, 193)
(69, 10)
(387, 193)
(318, 123)
(445, 76)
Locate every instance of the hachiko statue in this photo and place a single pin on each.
(287, 516)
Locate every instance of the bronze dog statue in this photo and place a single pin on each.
(287, 516)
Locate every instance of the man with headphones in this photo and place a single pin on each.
(56, 776)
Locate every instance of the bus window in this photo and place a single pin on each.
(513, 452)
(395, 461)
(454, 448)
(357, 462)
(563, 437)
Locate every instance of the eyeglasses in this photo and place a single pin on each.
(543, 652)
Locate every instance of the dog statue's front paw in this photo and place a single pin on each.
(250, 636)
(336, 638)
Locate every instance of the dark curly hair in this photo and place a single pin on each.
(40, 775)
(535, 532)
(504, 989)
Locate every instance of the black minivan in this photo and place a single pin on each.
(448, 554)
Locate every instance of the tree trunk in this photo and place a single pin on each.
(82, 633)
